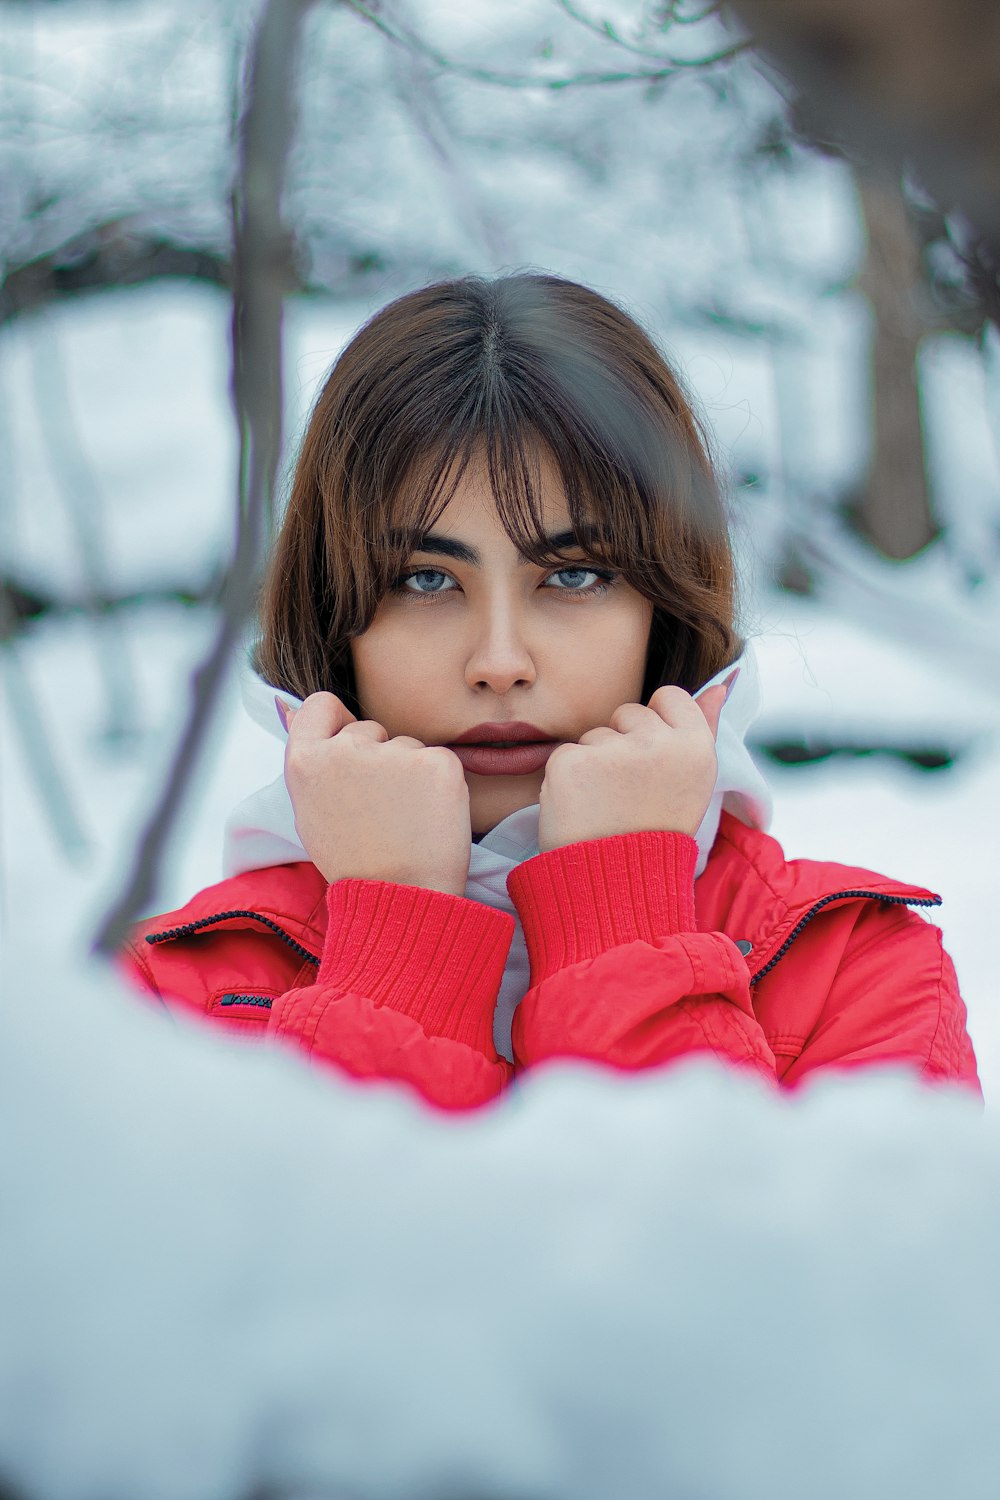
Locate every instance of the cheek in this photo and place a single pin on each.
(370, 655)
(634, 649)
(631, 632)
(390, 664)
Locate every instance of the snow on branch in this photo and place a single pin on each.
(607, 33)
(404, 36)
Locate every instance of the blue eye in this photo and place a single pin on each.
(603, 587)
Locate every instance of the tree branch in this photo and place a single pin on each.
(262, 266)
(607, 33)
(109, 255)
(28, 725)
(403, 37)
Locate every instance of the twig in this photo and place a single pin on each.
(29, 725)
(607, 33)
(674, 16)
(403, 37)
(262, 270)
(83, 500)
(419, 94)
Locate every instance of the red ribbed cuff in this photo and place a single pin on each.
(435, 957)
(578, 901)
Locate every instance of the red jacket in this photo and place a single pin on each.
(783, 967)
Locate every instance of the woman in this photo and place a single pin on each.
(407, 908)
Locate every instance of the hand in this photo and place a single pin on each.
(368, 807)
(654, 768)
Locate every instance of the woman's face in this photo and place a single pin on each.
(465, 643)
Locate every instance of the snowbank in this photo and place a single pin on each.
(220, 1269)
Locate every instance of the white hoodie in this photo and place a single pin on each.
(260, 831)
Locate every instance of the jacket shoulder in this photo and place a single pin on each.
(291, 892)
(740, 850)
(263, 927)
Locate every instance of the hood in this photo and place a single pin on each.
(260, 831)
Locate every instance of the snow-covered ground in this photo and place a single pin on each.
(223, 1274)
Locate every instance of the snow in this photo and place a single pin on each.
(222, 1270)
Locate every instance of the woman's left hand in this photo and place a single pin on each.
(654, 768)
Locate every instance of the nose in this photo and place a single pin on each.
(499, 654)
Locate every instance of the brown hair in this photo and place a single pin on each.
(498, 367)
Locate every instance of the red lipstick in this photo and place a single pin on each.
(530, 748)
(513, 729)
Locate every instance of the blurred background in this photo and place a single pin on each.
(819, 305)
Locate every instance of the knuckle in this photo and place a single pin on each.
(321, 700)
(447, 760)
(405, 742)
(560, 757)
(295, 764)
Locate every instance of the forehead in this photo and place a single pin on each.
(470, 520)
(456, 497)
(472, 503)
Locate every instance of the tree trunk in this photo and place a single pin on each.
(893, 511)
(902, 81)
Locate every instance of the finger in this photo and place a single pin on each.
(321, 716)
(406, 740)
(364, 729)
(676, 708)
(602, 731)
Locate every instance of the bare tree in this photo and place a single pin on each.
(262, 267)
(893, 510)
(902, 82)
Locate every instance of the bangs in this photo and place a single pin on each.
(505, 378)
(511, 459)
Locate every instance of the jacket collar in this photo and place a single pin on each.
(260, 831)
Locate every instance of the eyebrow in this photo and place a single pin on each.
(446, 546)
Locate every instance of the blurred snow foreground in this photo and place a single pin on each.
(223, 1271)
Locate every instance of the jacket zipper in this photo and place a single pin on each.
(224, 916)
(839, 896)
(192, 927)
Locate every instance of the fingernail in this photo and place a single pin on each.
(282, 712)
(730, 684)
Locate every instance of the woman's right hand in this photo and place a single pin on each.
(368, 807)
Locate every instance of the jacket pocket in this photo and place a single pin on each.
(245, 1010)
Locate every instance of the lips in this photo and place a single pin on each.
(503, 734)
(517, 758)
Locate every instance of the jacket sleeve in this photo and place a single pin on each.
(894, 998)
(620, 974)
(619, 971)
(406, 989)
